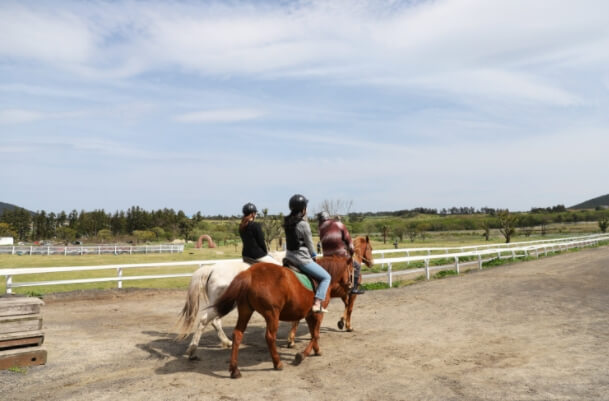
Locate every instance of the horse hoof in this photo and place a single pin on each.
(235, 374)
(227, 345)
(350, 329)
(290, 345)
(279, 366)
(191, 352)
(318, 353)
(193, 357)
(298, 358)
(341, 324)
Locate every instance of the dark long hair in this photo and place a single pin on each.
(292, 219)
(245, 221)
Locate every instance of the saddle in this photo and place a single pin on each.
(249, 260)
(307, 281)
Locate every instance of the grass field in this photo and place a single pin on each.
(442, 239)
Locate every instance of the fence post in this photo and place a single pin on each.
(427, 268)
(383, 257)
(9, 282)
(480, 261)
(120, 275)
(13, 252)
(390, 278)
(457, 264)
(31, 249)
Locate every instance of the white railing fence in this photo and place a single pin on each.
(89, 249)
(461, 258)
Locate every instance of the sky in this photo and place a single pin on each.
(207, 105)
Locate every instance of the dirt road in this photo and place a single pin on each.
(537, 330)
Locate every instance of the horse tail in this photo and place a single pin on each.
(236, 291)
(196, 292)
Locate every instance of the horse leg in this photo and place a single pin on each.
(343, 319)
(245, 313)
(194, 342)
(313, 321)
(217, 323)
(272, 324)
(349, 310)
(292, 335)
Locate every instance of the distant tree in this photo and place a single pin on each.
(507, 224)
(104, 235)
(66, 234)
(160, 233)
(384, 232)
(144, 235)
(412, 231)
(272, 226)
(486, 226)
(7, 231)
(603, 223)
(336, 207)
(185, 225)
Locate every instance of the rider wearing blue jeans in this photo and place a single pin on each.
(300, 248)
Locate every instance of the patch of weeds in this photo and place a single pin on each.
(33, 293)
(445, 273)
(18, 369)
(375, 286)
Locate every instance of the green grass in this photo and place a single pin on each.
(18, 369)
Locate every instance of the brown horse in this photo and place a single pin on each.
(362, 254)
(276, 293)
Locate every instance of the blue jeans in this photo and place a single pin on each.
(320, 274)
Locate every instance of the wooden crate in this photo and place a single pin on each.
(21, 335)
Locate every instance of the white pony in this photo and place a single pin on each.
(206, 285)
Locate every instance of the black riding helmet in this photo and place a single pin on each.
(298, 203)
(249, 208)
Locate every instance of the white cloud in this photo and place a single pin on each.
(437, 42)
(52, 36)
(220, 116)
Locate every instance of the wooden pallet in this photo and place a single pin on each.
(19, 357)
(21, 335)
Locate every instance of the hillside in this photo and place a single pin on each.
(7, 206)
(593, 203)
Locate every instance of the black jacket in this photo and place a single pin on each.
(253, 241)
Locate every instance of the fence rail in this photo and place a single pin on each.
(460, 258)
(89, 249)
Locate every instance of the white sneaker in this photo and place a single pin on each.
(318, 309)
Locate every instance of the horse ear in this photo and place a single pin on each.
(367, 239)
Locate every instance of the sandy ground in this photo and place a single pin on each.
(537, 330)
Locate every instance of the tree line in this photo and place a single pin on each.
(167, 224)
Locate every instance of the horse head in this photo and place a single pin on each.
(363, 251)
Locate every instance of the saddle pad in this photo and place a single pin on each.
(304, 280)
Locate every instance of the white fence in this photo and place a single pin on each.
(479, 256)
(89, 249)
